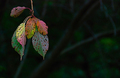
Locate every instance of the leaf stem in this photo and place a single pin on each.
(32, 7)
(29, 9)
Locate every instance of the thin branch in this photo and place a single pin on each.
(101, 5)
(112, 3)
(23, 61)
(32, 7)
(110, 18)
(89, 29)
(105, 11)
(79, 18)
(100, 35)
(72, 5)
(44, 9)
(99, 46)
(62, 6)
(96, 39)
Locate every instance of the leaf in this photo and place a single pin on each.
(30, 28)
(20, 34)
(15, 12)
(42, 28)
(18, 47)
(40, 43)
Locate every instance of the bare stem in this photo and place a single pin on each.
(32, 7)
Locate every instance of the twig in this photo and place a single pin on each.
(110, 18)
(112, 3)
(79, 18)
(112, 24)
(99, 46)
(92, 33)
(100, 35)
(105, 11)
(44, 9)
(89, 29)
(32, 7)
(101, 5)
(23, 61)
(63, 7)
(72, 5)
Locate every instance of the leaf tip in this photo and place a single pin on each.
(20, 58)
(43, 57)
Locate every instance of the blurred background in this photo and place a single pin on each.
(93, 51)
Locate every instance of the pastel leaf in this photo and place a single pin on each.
(15, 12)
(40, 43)
(20, 34)
(30, 28)
(42, 28)
(18, 47)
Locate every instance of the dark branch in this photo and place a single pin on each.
(100, 35)
(79, 18)
(44, 9)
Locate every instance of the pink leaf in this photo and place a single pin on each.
(15, 12)
(42, 27)
(20, 34)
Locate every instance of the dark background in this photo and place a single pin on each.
(91, 49)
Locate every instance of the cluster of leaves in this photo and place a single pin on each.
(31, 27)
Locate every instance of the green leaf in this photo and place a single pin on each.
(18, 47)
(40, 43)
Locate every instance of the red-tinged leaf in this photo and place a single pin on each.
(15, 12)
(18, 47)
(42, 28)
(20, 34)
(40, 43)
(30, 28)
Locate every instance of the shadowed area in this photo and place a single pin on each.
(83, 40)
